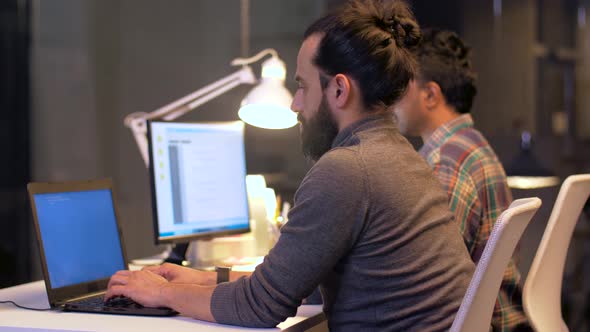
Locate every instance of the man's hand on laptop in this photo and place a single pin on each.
(179, 274)
(144, 287)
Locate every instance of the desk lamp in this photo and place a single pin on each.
(266, 106)
(526, 172)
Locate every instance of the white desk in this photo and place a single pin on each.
(34, 295)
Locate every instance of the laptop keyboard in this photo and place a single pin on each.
(118, 302)
(122, 302)
(116, 305)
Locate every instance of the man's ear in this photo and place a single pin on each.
(339, 91)
(432, 94)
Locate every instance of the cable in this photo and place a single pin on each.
(22, 307)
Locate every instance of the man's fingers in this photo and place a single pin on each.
(159, 270)
(152, 268)
(170, 266)
(113, 291)
(118, 279)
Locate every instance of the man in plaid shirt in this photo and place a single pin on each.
(436, 107)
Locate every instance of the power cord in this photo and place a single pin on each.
(23, 307)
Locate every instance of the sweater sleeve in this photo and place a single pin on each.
(324, 223)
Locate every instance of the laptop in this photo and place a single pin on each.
(81, 246)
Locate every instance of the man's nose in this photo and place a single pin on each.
(296, 104)
(294, 107)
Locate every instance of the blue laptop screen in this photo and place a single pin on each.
(80, 237)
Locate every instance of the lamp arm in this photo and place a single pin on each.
(137, 122)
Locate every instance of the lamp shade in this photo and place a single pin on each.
(268, 104)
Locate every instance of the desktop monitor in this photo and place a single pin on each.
(198, 180)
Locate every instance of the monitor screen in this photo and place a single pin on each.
(198, 176)
(80, 237)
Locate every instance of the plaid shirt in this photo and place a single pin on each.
(478, 193)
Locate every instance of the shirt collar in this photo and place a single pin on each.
(444, 132)
(369, 122)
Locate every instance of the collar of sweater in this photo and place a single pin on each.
(369, 122)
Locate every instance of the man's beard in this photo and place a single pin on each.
(318, 133)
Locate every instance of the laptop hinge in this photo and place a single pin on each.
(85, 296)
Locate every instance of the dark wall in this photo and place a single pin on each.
(446, 14)
(15, 234)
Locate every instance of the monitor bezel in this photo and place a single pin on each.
(194, 236)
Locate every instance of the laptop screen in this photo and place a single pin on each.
(80, 237)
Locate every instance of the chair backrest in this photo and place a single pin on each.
(475, 313)
(542, 288)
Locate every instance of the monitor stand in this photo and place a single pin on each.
(178, 254)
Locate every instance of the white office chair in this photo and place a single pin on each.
(542, 288)
(475, 313)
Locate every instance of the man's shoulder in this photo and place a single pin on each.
(470, 155)
(341, 159)
(465, 148)
(338, 170)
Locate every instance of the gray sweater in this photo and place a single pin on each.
(370, 225)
